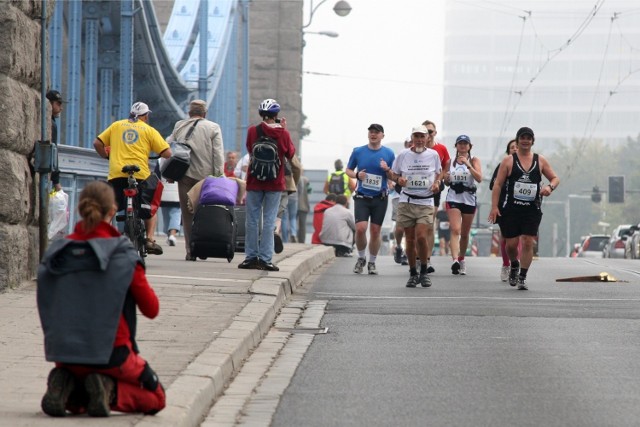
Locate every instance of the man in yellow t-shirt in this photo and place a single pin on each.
(130, 142)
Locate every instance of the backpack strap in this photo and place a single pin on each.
(259, 131)
(190, 132)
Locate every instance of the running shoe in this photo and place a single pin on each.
(404, 259)
(521, 285)
(430, 268)
(372, 268)
(455, 267)
(413, 281)
(397, 255)
(463, 268)
(171, 240)
(425, 282)
(504, 273)
(513, 275)
(360, 263)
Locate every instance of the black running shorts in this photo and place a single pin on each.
(374, 208)
(514, 224)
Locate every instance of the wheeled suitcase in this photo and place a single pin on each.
(213, 233)
(241, 216)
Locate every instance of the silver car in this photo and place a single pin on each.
(615, 247)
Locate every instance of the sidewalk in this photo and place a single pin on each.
(211, 315)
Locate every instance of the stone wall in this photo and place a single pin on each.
(275, 60)
(20, 49)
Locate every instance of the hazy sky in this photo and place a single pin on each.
(385, 67)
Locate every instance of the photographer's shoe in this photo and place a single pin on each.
(101, 389)
(60, 384)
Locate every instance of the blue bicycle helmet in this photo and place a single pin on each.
(269, 106)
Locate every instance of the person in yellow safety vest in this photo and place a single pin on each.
(339, 182)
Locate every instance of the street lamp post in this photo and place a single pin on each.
(341, 8)
(332, 34)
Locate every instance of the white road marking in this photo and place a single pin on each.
(339, 296)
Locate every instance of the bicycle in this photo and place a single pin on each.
(134, 227)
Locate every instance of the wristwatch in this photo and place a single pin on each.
(551, 187)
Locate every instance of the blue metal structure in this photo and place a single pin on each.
(109, 45)
(106, 54)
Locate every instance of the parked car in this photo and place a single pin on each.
(592, 246)
(615, 247)
(632, 243)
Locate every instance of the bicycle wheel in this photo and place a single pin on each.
(141, 238)
(130, 230)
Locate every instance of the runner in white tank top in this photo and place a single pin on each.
(465, 171)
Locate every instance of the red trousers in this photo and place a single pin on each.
(131, 396)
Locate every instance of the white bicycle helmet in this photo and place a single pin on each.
(270, 106)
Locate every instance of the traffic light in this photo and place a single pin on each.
(616, 189)
(596, 195)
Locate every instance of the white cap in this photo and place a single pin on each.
(140, 109)
(419, 129)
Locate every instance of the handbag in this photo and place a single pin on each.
(177, 165)
(150, 196)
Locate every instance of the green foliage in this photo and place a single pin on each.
(586, 164)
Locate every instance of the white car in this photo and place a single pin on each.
(615, 247)
(592, 246)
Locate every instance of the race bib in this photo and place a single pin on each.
(444, 225)
(372, 182)
(525, 191)
(459, 176)
(418, 182)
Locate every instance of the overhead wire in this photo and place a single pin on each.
(578, 153)
(513, 80)
(479, 6)
(550, 56)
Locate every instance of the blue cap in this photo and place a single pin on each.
(463, 138)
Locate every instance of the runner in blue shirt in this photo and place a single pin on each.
(370, 198)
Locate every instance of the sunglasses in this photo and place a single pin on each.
(431, 131)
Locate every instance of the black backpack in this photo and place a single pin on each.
(265, 162)
(336, 183)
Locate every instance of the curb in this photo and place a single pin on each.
(190, 396)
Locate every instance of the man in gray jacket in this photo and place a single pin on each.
(207, 158)
(339, 227)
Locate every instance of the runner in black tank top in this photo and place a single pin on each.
(523, 191)
(521, 214)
